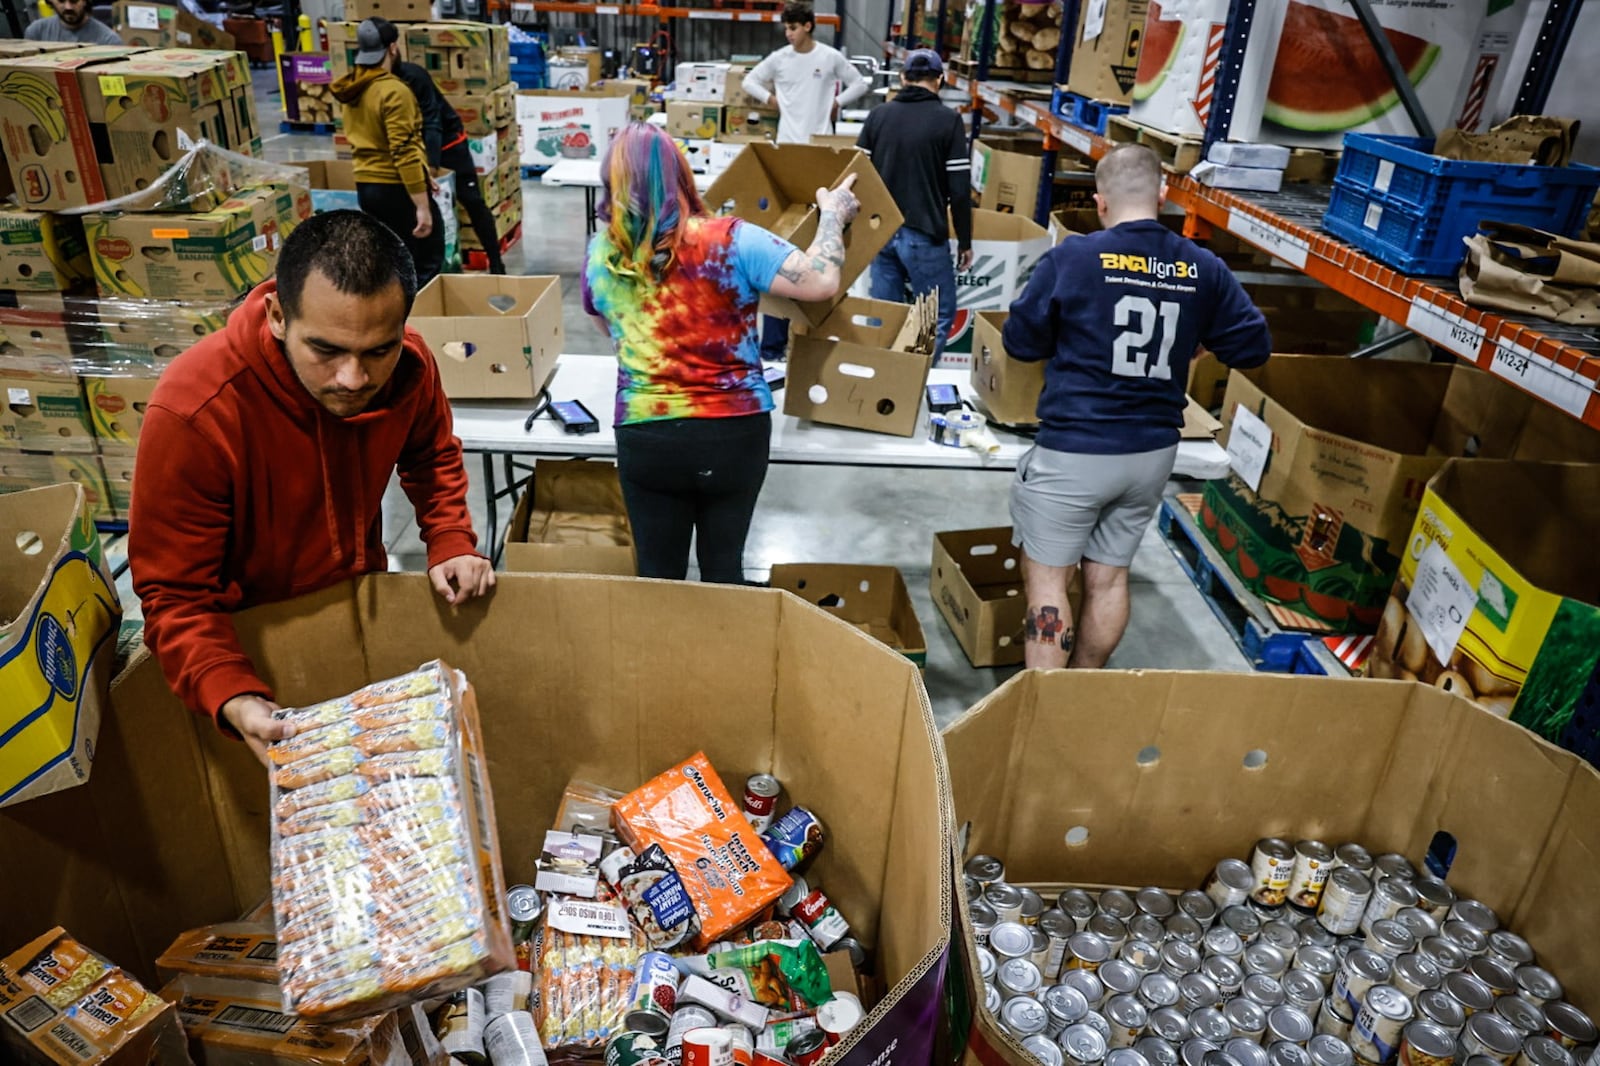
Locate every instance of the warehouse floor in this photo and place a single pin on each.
(835, 514)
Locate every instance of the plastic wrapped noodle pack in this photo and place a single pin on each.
(387, 882)
(582, 984)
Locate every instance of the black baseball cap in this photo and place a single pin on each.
(923, 64)
(373, 38)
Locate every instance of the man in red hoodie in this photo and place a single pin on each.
(265, 454)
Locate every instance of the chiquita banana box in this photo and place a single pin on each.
(57, 648)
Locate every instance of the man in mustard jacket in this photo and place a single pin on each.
(384, 125)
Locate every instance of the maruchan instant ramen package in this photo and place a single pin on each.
(242, 1023)
(726, 869)
(387, 882)
(62, 1003)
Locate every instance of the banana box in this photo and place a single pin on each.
(116, 407)
(44, 125)
(139, 337)
(41, 251)
(165, 26)
(20, 471)
(462, 57)
(210, 255)
(119, 481)
(36, 332)
(56, 652)
(86, 471)
(507, 216)
(44, 413)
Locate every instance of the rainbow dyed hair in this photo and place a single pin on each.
(648, 194)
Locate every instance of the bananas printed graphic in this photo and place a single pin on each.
(33, 92)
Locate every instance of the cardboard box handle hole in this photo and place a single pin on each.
(817, 394)
(856, 370)
(28, 543)
(1011, 564)
(1255, 759)
(1077, 836)
(502, 302)
(865, 585)
(1148, 755)
(983, 549)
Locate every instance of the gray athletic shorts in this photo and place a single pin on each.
(1066, 507)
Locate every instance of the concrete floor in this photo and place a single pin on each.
(834, 514)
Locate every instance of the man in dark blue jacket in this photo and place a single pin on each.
(1118, 314)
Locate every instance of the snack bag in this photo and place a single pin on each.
(786, 975)
(726, 869)
(655, 895)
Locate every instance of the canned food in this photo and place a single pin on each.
(1088, 985)
(856, 950)
(1384, 1014)
(1082, 1045)
(1117, 903)
(1269, 912)
(685, 1019)
(1243, 921)
(1329, 1051)
(992, 999)
(1024, 1017)
(1006, 901)
(1510, 948)
(513, 1040)
(744, 1044)
(1196, 991)
(805, 1049)
(796, 838)
(1065, 1006)
(1266, 992)
(1246, 1051)
(653, 996)
(1439, 1007)
(984, 919)
(1193, 1051)
(1538, 984)
(839, 1016)
(1228, 975)
(509, 991)
(1313, 861)
(1489, 1034)
(1010, 940)
(1390, 939)
(1393, 864)
(1211, 1024)
(1147, 927)
(1125, 1056)
(1443, 954)
(525, 906)
(1354, 856)
(1389, 897)
(1524, 1017)
(1319, 962)
(1469, 991)
(1281, 935)
(1170, 1024)
(1098, 1020)
(1077, 905)
(714, 1047)
(1263, 958)
(1157, 1052)
(1120, 978)
(1344, 900)
(1361, 971)
(761, 793)
(1111, 929)
(1155, 902)
(461, 1026)
(1426, 1044)
(1142, 955)
(634, 1049)
(1475, 913)
(1179, 959)
(1229, 883)
(1017, 977)
(1434, 897)
(1058, 927)
(1157, 990)
(985, 869)
(1246, 1018)
(1332, 1022)
(822, 920)
(987, 963)
(1501, 979)
(1040, 955)
(1290, 1024)
(1569, 1025)
(974, 888)
(1304, 989)
(1312, 933)
(1220, 1058)
(1223, 941)
(1199, 906)
(1414, 975)
(1127, 1017)
(1087, 951)
(1283, 1053)
(1543, 1051)
(1043, 1049)
(1468, 938)
(1421, 924)
(1032, 906)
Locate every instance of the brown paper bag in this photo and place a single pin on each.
(1531, 272)
(1538, 139)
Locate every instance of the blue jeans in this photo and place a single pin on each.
(916, 261)
(774, 339)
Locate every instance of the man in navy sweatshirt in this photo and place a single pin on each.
(1117, 314)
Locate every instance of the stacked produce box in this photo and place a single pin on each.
(308, 87)
(1024, 38)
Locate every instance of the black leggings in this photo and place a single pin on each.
(391, 205)
(458, 157)
(697, 476)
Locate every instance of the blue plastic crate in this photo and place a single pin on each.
(1084, 113)
(1410, 209)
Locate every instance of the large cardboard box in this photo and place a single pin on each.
(1005, 249)
(1497, 595)
(874, 599)
(119, 481)
(212, 256)
(1169, 790)
(590, 677)
(139, 337)
(571, 520)
(393, 10)
(42, 251)
(701, 82)
(38, 330)
(462, 57)
(735, 96)
(976, 582)
(166, 26)
(56, 651)
(569, 125)
(86, 471)
(1330, 458)
(44, 413)
(45, 126)
(1105, 50)
(775, 186)
(689, 118)
(864, 367)
(333, 184)
(493, 337)
(117, 406)
(1006, 176)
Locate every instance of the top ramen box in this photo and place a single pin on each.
(724, 865)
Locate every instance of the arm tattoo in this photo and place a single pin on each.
(793, 274)
(829, 244)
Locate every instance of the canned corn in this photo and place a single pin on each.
(1077, 905)
(1117, 903)
(1066, 1006)
(1044, 1050)
(1032, 906)
(1246, 1052)
(1182, 927)
(1426, 1044)
(1196, 992)
(1211, 1024)
(1224, 942)
(1421, 924)
(1569, 1025)
(1469, 991)
(1442, 953)
(1538, 984)
(1179, 959)
(1266, 992)
(1491, 1035)
(1501, 979)
(1283, 1053)
(1006, 901)
(1435, 897)
(1227, 974)
(1082, 1045)
(1281, 935)
(1087, 951)
(1147, 927)
(1290, 1024)
(1017, 977)
(1120, 978)
(1477, 914)
(1263, 958)
(1319, 962)
(1303, 989)
(1243, 921)
(1088, 985)
(986, 869)
(1157, 990)
(1156, 1051)
(1437, 1006)
(1543, 1051)
(1127, 1017)
(1125, 1056)
(1168, 1024)
(1524, 1017)
(1155, 902)
(1010, 940)
(1111, 929)
(1194, 1051)
(1246, 1018)
(1199, 906)
(1023, 1017)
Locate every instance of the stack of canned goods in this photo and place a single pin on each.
(1307, 955)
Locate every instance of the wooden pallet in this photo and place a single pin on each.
(1178, 153)
(1026, 75)
(1311, 166)
(1123, 130)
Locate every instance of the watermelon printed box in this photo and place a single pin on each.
(1526, 636)
(568, 125)
(1321, 524)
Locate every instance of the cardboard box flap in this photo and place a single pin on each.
(872, 598)
(985, 556)
(576, 502)
(1198, 423)
(34, 529)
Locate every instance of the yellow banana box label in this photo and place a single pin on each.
(56, 654)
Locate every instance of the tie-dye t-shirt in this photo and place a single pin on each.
(690, 347)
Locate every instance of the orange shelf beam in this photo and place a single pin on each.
(695, 14)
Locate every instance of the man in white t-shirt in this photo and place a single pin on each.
(808, 83)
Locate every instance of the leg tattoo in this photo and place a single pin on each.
(1044, 625)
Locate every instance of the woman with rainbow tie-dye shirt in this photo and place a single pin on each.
(678, 290)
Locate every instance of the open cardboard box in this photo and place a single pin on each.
(874, 599)
(864, 366)
(60, 614)
(598, 678)
(1157, 775)
(494, 336)
(775, 186)
(976, 582)
(571, 520)
(1005, 249)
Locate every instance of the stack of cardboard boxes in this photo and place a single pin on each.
(146, 25)
(711, 114)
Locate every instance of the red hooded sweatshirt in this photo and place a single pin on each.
(247, 491)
